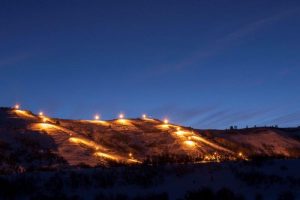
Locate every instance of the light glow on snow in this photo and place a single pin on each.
(163, 126)
(84, 142)
(45, 125)
(44, 119)
(23, 113)
(105, 155)
(190, 143)
(181, 133)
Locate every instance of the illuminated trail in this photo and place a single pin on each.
(98, 153)
(201, 139)
(49, 128)
(190, 143)
(165, 126)
(87, 143)
(105, 155)
(95, 147)
(84, 141)
(22, 113)
(191, 139)
(75, 138)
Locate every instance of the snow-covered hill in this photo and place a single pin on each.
(30, 141)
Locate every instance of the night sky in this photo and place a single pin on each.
(206, 64)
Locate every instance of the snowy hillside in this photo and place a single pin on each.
(29, 141)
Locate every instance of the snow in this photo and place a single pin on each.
(95, 142)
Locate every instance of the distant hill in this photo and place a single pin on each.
(36, 142)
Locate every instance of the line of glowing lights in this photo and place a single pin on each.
(96, 117)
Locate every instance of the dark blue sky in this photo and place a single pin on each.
(208, 64)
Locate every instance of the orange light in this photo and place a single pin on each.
(44, 119)
(144, 116)
(180, 133)
(166, 121)
(121, 116)
(41, 114)
(105, 155)
(130, 155)
(46, 126)
(178, 128)
(97, 117)
(190, 143)
(17, 106)
(240, 154)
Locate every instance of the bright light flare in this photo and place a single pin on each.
(97, 117)
(123, 121)
(166, 121)
(144, 116)
(17, 106)
(41, 114)
(121, 116)
(242, 156)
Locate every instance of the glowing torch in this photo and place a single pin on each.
(121, 116)
(97, 117)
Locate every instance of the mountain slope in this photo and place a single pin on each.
(29, 141)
